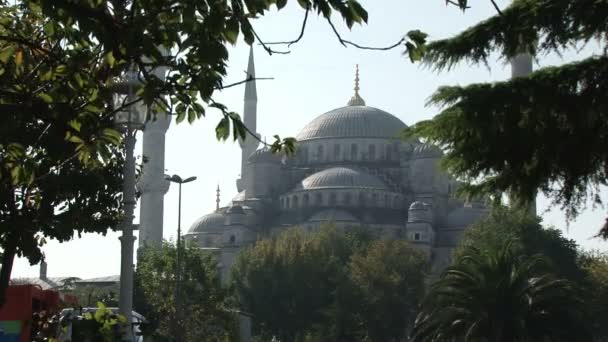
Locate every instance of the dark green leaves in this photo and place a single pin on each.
(415, 46)
(222, 130)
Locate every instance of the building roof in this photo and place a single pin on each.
(99, 280)
(333, 215)
(264, 155)
(340, 177)
(213, 222)
(352, 121)
(44, 283)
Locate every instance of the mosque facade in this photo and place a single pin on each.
(351, 169)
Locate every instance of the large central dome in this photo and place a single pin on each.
(352, 122)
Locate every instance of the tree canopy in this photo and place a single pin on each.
(60, 155)
(528, 237)
(541, 132)
(204, 314)
(330, 285)
(498, 295)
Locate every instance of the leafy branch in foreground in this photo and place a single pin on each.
(544, 131)
(60, 156)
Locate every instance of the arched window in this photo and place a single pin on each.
(320, 152)
(372, 152)
(232, 239)
(387, 201)
(374, 200)
(332, 198)
(337, 152)
(318, 199)
(389, 152)
(287, 204)
(347, 198)
(296, 203)
(353, 151)
(361, 199)
(306, 200)
(303, 155)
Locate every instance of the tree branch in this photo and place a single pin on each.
(269, 50)
(248, 79)
(289, 43)
(345, 42)
(496, 7)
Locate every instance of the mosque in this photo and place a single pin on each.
(351, 169)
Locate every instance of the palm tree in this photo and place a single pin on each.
(498, 296)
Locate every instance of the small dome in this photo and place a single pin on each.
(426, 151)
(419, 206)
(333, 215)
(264, 155)
(240, 196)
(213, 222)
(465, 216)
(340, 177)
(420, 212)
(236, 209)
(352, 122)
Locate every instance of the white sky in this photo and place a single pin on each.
(316, 77)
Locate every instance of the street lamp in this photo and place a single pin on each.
(177, 179)
(130, 117)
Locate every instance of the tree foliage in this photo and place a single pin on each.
(60, 156)
(503, 296)
(329, 285)
(527, 237)
(541, 132)
(596, 289)
(203, 313)
(389, 279)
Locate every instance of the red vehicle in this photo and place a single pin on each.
(22, 301)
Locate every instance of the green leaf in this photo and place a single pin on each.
(7, 53)
(75, 139)
(75, 124)
(112, 135)
(19, 58)
(281, 3)
(45, 97)
(222, 130)
(110, 59)
(232, 30)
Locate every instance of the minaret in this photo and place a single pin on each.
(249, 119)
(152, 184)
(521, 65)
(217, 198)
(356, 100)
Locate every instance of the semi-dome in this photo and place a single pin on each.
(352, 122)
(213, 222)
(264, 155)
(333, 215)
(340, 177)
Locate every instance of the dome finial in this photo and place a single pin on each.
(217, 198)
(356, 100)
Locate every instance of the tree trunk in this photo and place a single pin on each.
(8, 255)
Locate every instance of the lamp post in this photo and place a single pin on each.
(177, 179)
(128, 120)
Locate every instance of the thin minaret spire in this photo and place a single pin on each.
(217, 198)
(356, 100)
(250, 144)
